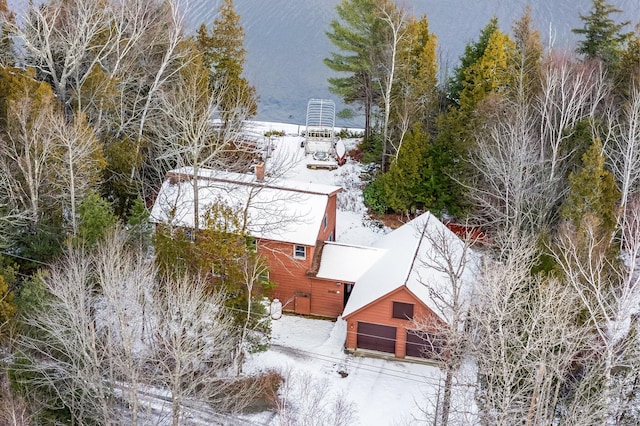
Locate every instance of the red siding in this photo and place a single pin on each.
(327, 297)
(381, 312)
(330, 213)
(321, 297)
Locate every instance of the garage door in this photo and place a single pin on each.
(376, 337)
(424, 345)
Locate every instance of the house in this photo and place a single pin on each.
(289, 220)
(378, 290)
(406, 283)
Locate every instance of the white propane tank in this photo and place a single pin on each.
(276, 309)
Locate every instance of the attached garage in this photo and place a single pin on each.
(376, 337)
(424, 345)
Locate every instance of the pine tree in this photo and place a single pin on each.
(356, 34)
(603, 37)
(415, 93)
(529, 50)
(491, 73)
(96, 217)
(223, 53)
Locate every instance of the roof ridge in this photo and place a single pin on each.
(263, 184)
(417, 250)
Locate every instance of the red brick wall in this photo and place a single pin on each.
(381, 312)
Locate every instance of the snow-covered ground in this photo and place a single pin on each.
(311, 352)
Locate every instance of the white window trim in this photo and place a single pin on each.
(295, 254)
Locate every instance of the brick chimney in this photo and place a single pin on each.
(260, 171)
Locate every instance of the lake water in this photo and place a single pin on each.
(286, 41)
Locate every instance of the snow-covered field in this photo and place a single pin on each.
(311, 352)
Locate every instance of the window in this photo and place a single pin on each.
(331, 237)
(324, 222)
(300, 252)
(402, 310)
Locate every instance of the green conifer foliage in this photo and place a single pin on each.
(491, 73)
(603, 37)
(224, 55)
(592, 191)
(403, 185)
(472, 53)
(96, 217)
(356, 36)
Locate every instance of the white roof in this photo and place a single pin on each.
(280, 210)
(342, 262)
(411, 252)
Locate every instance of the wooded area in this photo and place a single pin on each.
(537, 147)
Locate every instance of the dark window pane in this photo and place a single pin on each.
(402, 310)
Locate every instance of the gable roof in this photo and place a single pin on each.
(279, 210)
(410, 254)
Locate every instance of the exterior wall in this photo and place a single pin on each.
(330, 213)
(287, 272)
(296, 290)
(381, 312)
(328, 297)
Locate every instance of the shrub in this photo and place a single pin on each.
(374, 197)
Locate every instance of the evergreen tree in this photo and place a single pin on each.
(356, 34)
(139, 227)
(592, 192)
(529, 51)
(415, 92)
(629, 69)
(225, 256)
(403, 186)
(224, 55)
(603, 37)
(491, 73)
(96, 217)
(472, 53)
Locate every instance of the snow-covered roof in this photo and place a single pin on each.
(280, 210)
(342, 262)
(411, 254)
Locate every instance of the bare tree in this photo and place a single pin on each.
(623, 149)
(396, 21)
(26, 153)
(303, 401)
(111, 344)
(191, 138)
(608, 288)
(457, 266)
(193, 346)
(570, 92)
(509, 188)
(79, 155)
(61, 39)
(525, 337)
(69, 359)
